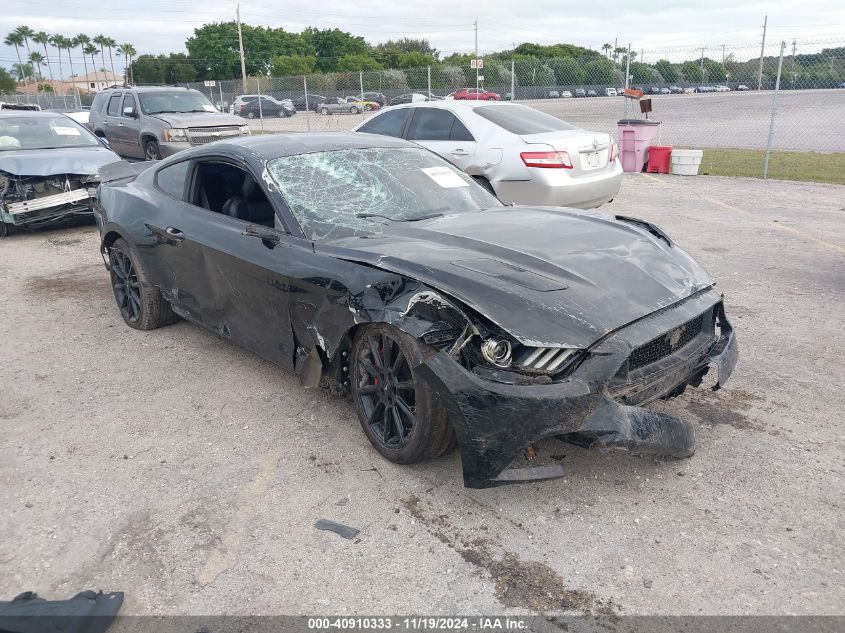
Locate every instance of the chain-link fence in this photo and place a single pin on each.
(45, 100)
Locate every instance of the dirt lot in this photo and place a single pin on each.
(175, 467)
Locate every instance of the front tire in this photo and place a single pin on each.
(140, 302)
(401, 415)
(354, 110)
(324, 111)
(151, 150)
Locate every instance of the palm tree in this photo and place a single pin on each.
(109, 44)
(22, 71)
(59, 42)
(25, 32)
(92, 50)
(67, 44)
(82, 41)
(128, 51)
(100, 41)
(42, 38)
(619, 50)
(16, 40)
(606, 48)
(36, 59)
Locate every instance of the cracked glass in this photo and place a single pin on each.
(354, 192)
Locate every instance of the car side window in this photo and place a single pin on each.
(389, 123)
(128, 102)
(114, 105)
(171, 179)
(435, 124)
(223, 188)
(460, 132)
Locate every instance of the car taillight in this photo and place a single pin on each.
(614, 151)
(546, 160)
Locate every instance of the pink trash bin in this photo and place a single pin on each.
(634, 139)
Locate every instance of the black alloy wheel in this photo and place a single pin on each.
(127, 287)
(386, 390)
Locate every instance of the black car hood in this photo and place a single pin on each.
(549, 277)
(51, 162)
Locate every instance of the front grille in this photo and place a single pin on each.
(202, 135)
(666, 344)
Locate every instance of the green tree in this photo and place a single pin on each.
(356, 62)
(290, 65)
(16, 39)
(390, 54)
(599, 71)
(714, 71)
(100, 41)
(148, 69)
(331, 45)
(82, 41)
(128, 51)
(37, 59)
(7, 83)
(642, 73)
(607, 48)
(667, 70)
(567, 71)
(691, 72)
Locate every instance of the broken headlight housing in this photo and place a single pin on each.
(503, 353)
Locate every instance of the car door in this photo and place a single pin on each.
(111, 120)
(242, 290)
(442, 132)
(129, 128)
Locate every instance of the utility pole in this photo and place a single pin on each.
(476, 59)
(774, 111)
(628, 68)
(794, 71)
(762, 51)
(241, 46)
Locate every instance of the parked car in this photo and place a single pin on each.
(364, 104)
(539, 159)
(592, 93)
(665, 91)
(314, 100)
(31, 107)
(476, 94)
(461, 318)
(48, 168)
(676, 90)
(743, 87)
(339, 105)
(378, 97)
(566, 94)
(580, 92)
(239, 101)
(721, 89)
(689, 91)
(266, 107)
(554, 94)
(154, 122)
(410, 97)
(610, 92)
(654, 90)
(705, 89)
(508, 96)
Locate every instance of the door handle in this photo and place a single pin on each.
(459, 152)
(120, 125)
(175, 233)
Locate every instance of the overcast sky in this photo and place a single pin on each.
(161, 26)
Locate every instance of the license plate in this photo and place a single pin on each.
(590, 160)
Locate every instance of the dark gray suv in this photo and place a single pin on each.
(155, 122)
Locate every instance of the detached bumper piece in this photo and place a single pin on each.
(48, 208)
(86, 612)
(495, 422)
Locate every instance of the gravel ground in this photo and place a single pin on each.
(188, 473)
(807, 120)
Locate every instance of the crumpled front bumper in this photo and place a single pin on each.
(495, 422)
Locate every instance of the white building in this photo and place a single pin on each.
(94, 81)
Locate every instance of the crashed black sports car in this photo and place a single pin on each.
(370, 266)
(48, 168)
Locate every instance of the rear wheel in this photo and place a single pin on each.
(324, 111)
(354, 110)
(403, 418)
(140, 303)
(491, 98)
(4, 229)
(151, 150)
(250, 115)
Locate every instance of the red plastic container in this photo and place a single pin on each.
(659, 159)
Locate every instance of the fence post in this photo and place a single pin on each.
(307, 107)
(361, 83)
(774, 110)
(513, 80)
(260, 110)
(428, 68)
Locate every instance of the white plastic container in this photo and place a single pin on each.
(685, 162)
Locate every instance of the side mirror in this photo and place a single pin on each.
(129, 111)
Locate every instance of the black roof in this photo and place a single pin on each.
(278, 145)
(44, 114)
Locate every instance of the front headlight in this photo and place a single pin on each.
(245, 130)
(498, 352)
(176, 135)
(548, 360)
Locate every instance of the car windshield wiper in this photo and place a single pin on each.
(414, 219)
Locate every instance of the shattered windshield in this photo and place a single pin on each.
(41, 132)
(175, 102)
(354, 192)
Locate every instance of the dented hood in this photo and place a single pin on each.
(51, 162)
(549, 277)
(199, 119)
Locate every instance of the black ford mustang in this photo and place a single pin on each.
(371, 266)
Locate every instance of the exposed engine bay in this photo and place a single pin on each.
(32, 201)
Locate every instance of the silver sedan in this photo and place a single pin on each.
(521, 154)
